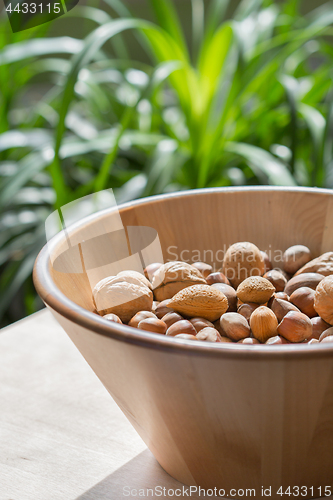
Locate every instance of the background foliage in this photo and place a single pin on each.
(246, 100)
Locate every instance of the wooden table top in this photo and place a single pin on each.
(62, 437)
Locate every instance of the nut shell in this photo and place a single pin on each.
(255, 289)
(134, 322)
(204, 268)
(217, 278)
(179, 327)
(242, 260)
(326, 333)
(234, 326)
(318, 327)
(247, 309)
(200, 300)
(209, 334)
(281, 307)
(303, 298)
(230, 293)
(162, 309)
(171, 318)
(322, 265)
(310, 280)
(263, 323)
(323, 302)
(153, 325)
(200, 323)
(295, 327)
(172, 277)
(123, 296)
(295, 257)
(277, 279)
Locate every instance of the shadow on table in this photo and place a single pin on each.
(141, 473)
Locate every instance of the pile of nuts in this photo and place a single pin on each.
(246, 302)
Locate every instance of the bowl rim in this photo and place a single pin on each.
(61, 304)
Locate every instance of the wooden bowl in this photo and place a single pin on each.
(223, 415)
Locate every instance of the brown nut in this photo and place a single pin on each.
(234, 326)
(295, 257)
(154, 325)
(183, 326)
(303, 298)
(217, 278)
(112, 317)
(134, 322)
(322, 265)
(172, 277)
(277, 279)
(151, 269)
(185, 336)
(247, 309)
(326, 333)
(171, 318)
(263, 323)
(323, 303)
(295, 327)
(281, 307)
(310, 280)
(204, 268)
(248, 340)
(209, 334)
(277, 340)
(200, 300)
(230, 293)
(155, 304)
(327, 339)
(226, 339)
(281, 295)
(200, 323)
(267, 261)
(242, 260)
(162, 309)
(318, 327)
(255, 289)
(122, 295)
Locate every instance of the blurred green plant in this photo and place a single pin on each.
(245, 101)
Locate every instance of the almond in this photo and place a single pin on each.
(255, 289)
(200, 300)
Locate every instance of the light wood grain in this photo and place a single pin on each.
(61, 435)
(221, 416)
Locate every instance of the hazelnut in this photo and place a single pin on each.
(123, 296)
(263, 323)
(242, 260)
(295, 257)
(171, 318)
(162, 309)
(318, 327)
(172, 277)
(200, 323)
(139, 317)
(225, 339)
(267, 261)
(200, 300)
(281, 295)
(154, 325)
(151, 269)
(322, 264)
(277, 279)
(323, 303)
(255, 289)
(277, 340)
(112, 317)
(230, 293)
(295, 327)
(326, 333)
(303, 298)
(155, 304)
(281, 307)
(310, 280)
(217, 278)
(247, 309)
(183, 326)
(234, 326)
(185, 336)
(209, 334)
(248, 340)
(204, 268)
